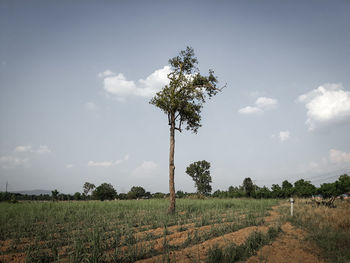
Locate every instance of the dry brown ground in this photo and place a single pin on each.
(289, 247)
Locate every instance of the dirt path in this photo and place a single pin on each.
(289, 247)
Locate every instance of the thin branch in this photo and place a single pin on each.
(180, 124)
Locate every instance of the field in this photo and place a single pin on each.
(211, 230)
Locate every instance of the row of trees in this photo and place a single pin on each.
(199, 171)
(301, 188)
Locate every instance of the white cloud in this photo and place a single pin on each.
(284, 135)
(153, 83)
(250, 110)
(119, 86)
(108, 163)
(68, 166)
(12, 161)
(336, 156)
(90, 106)
(146, 169)
(43, 149)
(266, 103)
(106, 73)
(262, 104)
(326, 105)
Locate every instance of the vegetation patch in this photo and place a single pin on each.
(232, 252)
(329, 228)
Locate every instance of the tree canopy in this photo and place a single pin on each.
(248, 186)
(182, 100)
(88, 187)
(200, 173)
(136, 192)
(105, 192)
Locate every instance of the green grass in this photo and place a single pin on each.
(95, 231)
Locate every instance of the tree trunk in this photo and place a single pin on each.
(171, 165)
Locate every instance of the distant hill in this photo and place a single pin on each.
(33, 192)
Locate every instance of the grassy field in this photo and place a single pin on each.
(127, 231)
(210, 230)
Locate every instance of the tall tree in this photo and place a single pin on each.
(182, 101)
(200, 173)
(248, 186)
(88, 187)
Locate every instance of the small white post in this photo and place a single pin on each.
(291, 206)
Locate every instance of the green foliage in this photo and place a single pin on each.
(304, 188)
(343, 184)
(233, 253)
(200, 173)
(182, 100)
(263, 192)
(277, 191)
(77, 196)
(122, 196)
(88, 187)
(136, 192)
(180, 194)
(327, 190)
(159, 195)
(248, 186)
(105, 192)
(287, 189)
(286, 185)
(13, 199)
(54, 195)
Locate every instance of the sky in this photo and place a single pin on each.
(76, 78)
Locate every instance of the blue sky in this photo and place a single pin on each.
(76, 78)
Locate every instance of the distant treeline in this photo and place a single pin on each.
(105, 191)
(301, 188)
